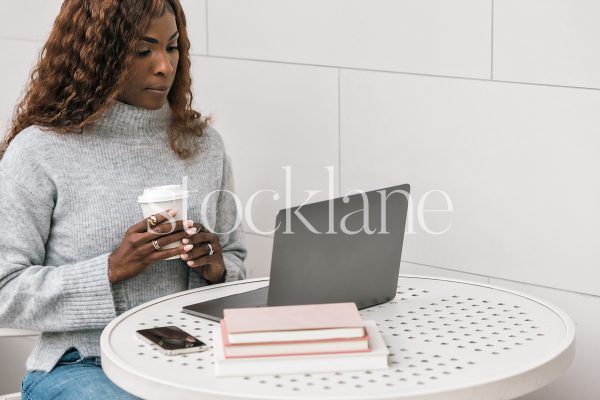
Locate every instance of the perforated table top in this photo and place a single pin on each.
(448, 340)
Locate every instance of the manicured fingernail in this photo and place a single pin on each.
(185, 241)
(188, 247)
(190, 263)
(172, 212)
(188, 223)
(184, 256)
(192, 231)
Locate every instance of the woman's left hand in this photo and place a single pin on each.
(211, 266)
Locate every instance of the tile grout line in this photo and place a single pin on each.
(257, 234)
(41, 42)
(444, 268)
(401, 73)
(489, 278)
(339, 131)
(206, 24)
(543, 286)
(492, 46)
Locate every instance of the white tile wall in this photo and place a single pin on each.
(28, 19)
(547, 41)
(195, 15)
(516, 161)
(14, 350)
(272, 116)
(580, 382)
(15, 71)
(423, 36)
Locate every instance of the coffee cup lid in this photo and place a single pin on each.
(162, 193)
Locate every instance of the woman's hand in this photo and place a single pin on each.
(136, 251)
(211, 266)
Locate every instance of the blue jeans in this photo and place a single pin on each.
(73, 378)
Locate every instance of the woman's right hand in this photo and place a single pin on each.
(136, 251)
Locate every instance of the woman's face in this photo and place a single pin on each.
(154, 66)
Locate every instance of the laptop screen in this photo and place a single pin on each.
(338, 250)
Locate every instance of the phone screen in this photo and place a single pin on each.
(172, 338)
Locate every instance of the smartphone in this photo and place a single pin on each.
(172, 340)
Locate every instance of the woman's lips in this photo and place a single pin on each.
(160, 91)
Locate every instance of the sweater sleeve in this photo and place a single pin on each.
(43, 297)
(232, 242)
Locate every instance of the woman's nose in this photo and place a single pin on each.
(162, 64)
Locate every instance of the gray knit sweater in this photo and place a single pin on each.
(67, 200)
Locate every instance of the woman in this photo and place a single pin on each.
(107, 113)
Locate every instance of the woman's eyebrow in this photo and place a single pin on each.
(153, 40)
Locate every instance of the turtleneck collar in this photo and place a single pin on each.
(125, 120)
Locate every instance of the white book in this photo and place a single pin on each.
(288, 336)
(375, 359)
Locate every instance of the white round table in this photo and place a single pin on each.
(448, 339)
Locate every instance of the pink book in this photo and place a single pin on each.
(292, 323)
(291, 348)
(374, 359)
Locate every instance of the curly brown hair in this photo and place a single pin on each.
(83, 67)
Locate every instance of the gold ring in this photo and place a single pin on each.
(155, 244)
(152, 221)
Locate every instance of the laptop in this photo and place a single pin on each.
(346, 249)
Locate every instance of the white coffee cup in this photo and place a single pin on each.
(159, 199)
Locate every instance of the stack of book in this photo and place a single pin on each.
(296, 339)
